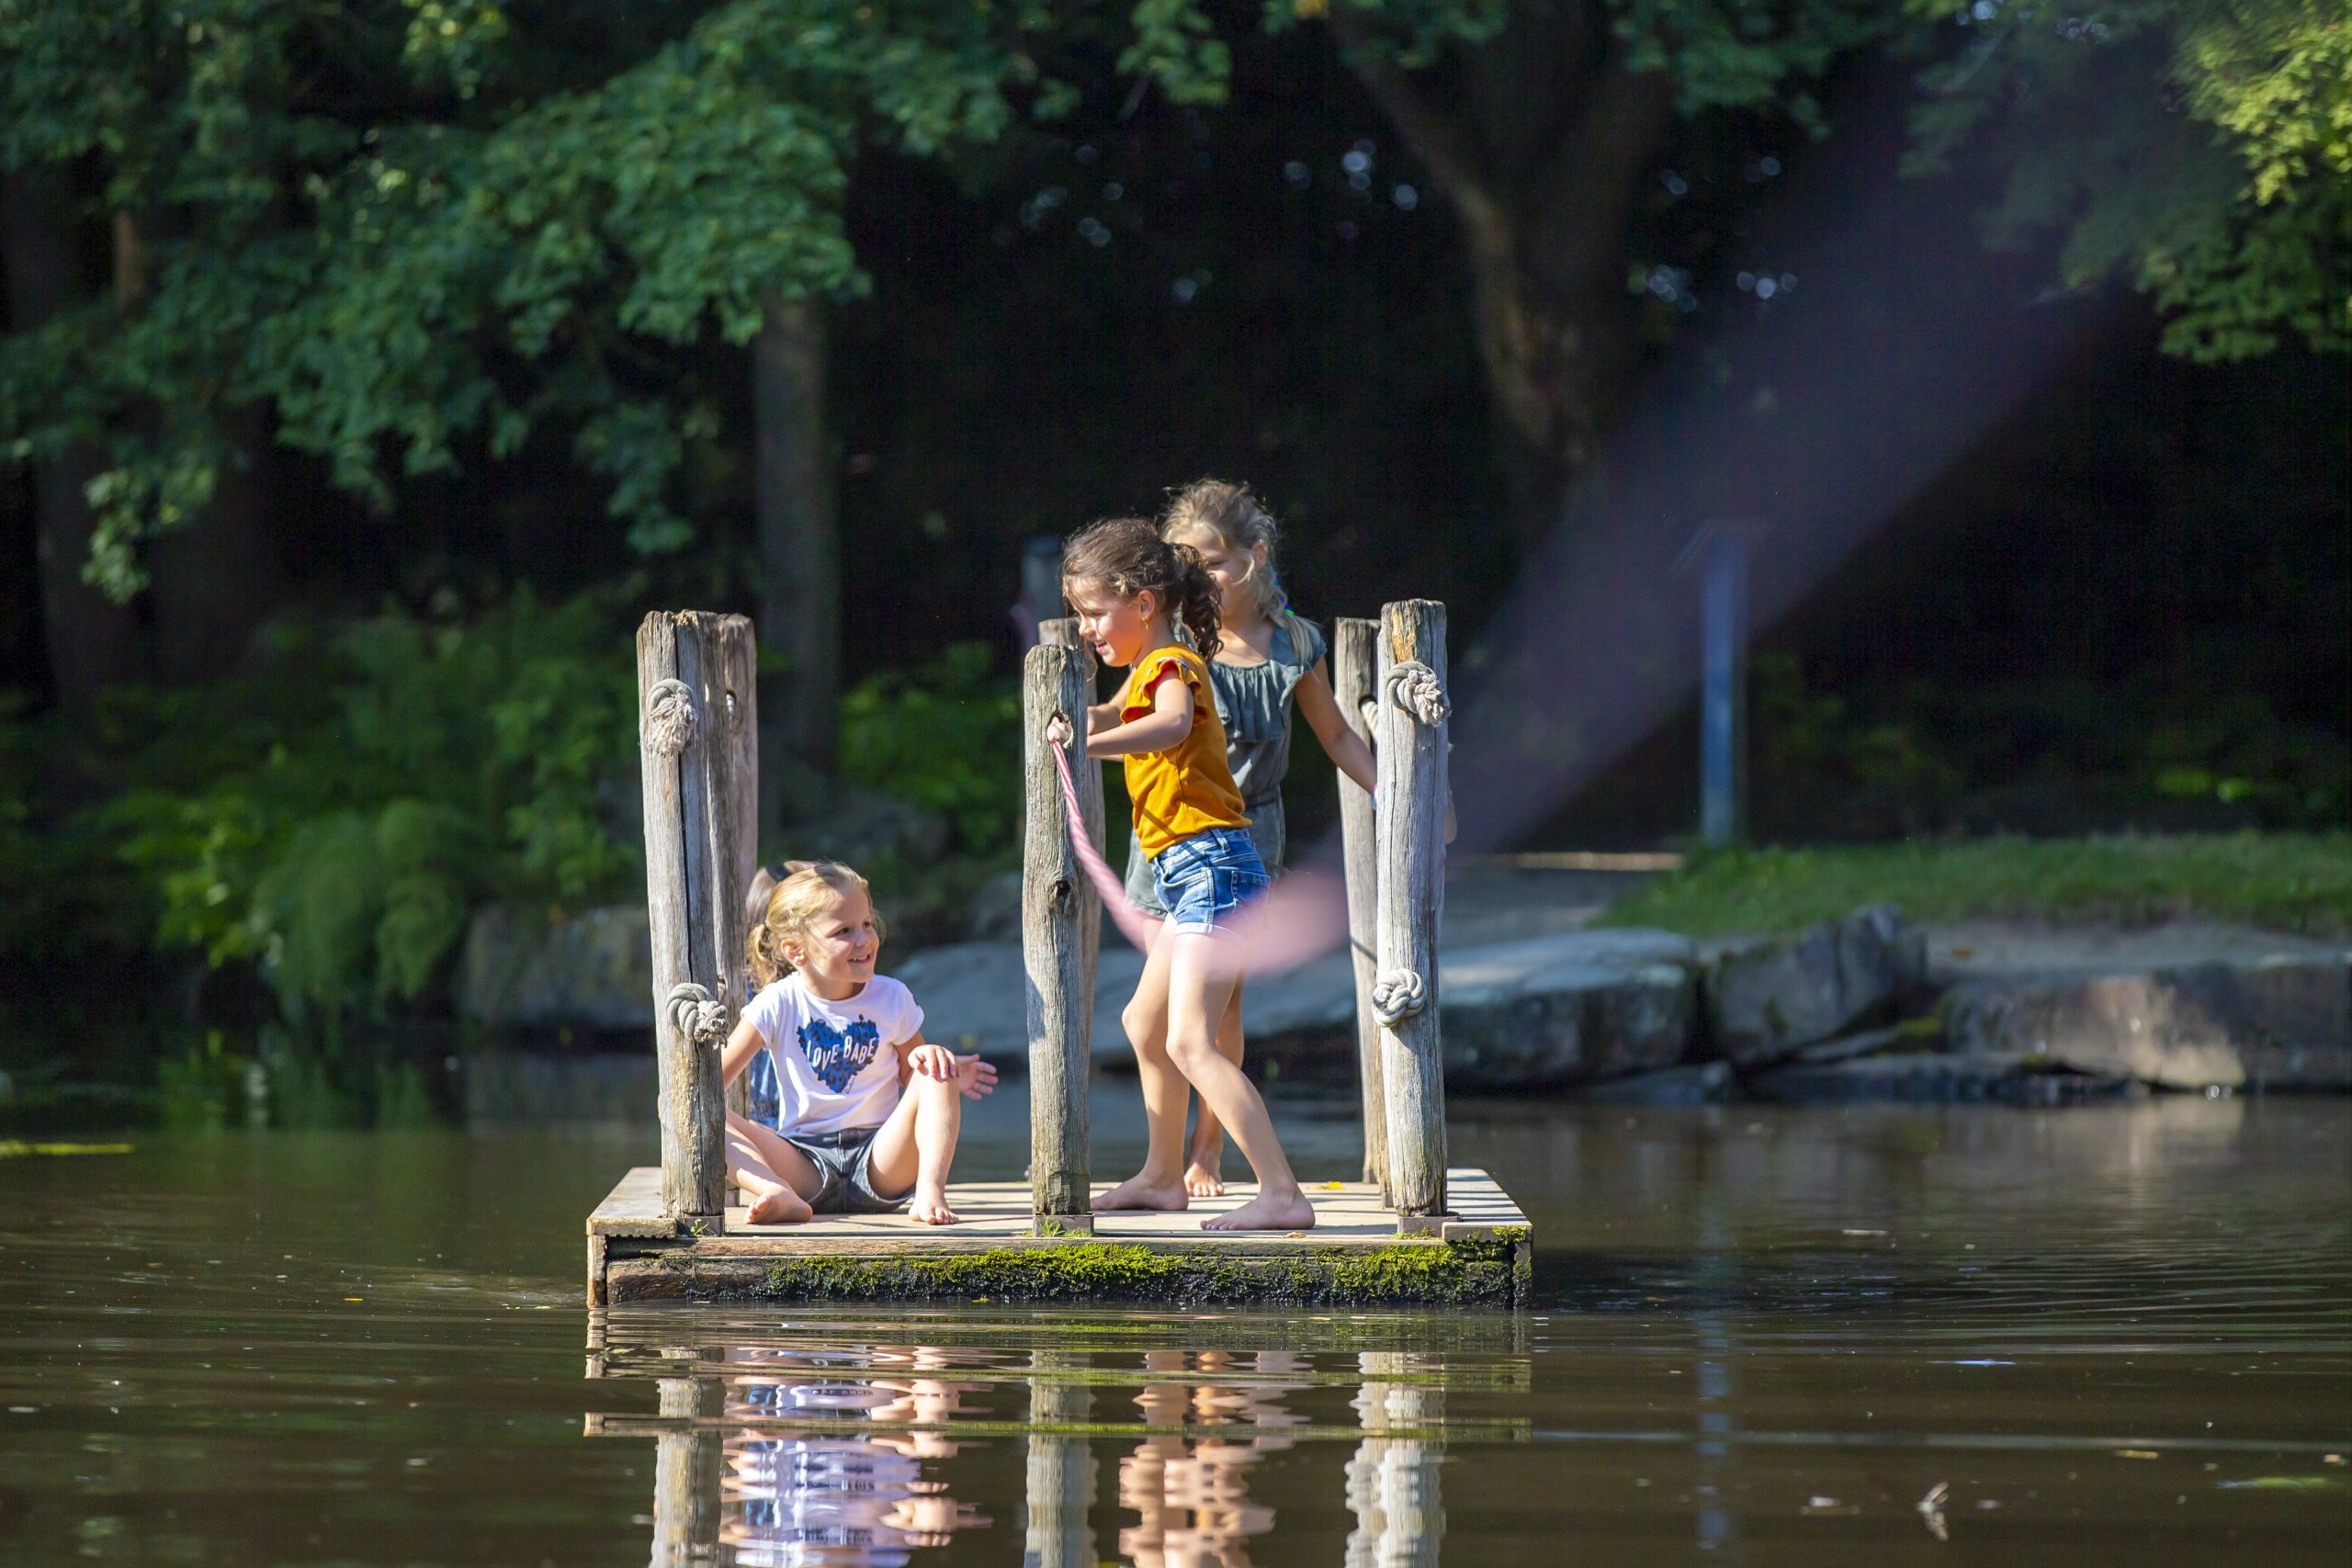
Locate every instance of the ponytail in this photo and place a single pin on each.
(1196, 599)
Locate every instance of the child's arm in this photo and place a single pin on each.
(1169, 720)
(1340, 743)
(741, 1046)
(917, 1054)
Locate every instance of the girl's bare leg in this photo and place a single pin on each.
(1202, 1160)
(775, 1176)
(916, 1145)
(1197, 994)
(1160, 1183)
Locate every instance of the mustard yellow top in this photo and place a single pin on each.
(1188, 788)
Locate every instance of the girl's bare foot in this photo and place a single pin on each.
(930, 1209)
(783, 1208)
(1141, 1192)
(1202, 1180)
(1267, 1212)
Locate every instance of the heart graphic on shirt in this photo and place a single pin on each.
(836, 1057)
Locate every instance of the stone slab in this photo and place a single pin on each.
(591, 970)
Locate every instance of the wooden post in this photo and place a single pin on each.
(1413, 711)
(1355, 679)
(735, 776)
(1062, 632)
(683, 718)
(1054, 895)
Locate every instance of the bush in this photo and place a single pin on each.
(333, 816)
(947, 737)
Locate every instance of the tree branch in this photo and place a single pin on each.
(1436, 142)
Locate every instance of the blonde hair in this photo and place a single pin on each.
(1240, 521)
(788, 912)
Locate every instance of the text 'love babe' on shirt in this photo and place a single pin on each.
(836, 1062)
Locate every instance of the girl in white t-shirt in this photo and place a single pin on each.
(868, 1111)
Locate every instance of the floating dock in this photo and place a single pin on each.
(1414, 1232)
(1483, 1254)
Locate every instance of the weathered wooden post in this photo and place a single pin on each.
(1413, 710)
(686, 713)
(735, 781)
(1355, 679)
(1055, 899)
(1062, 632)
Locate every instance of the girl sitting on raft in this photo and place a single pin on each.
(868, 1110)
(1129, 587)
(1270, 657)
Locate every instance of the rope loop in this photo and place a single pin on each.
(667, 727)
(1414, 686)
(1397, 995)
(697, 1017)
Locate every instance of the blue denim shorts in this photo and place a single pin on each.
(1204, 881)
(845, 1162)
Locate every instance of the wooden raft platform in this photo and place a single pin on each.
(1482, 1253)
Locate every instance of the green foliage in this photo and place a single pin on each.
(412, 229)
(2299, 881)
(333, 818)
(2199, 150)
(947, 737)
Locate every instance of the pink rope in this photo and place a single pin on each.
(1133, 924)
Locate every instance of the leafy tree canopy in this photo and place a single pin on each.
(2199, 149)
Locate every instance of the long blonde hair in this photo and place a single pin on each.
(1241, 522)
(788, 912)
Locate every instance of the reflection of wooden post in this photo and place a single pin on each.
(1413, 709)
(693, 882)
(1393, 1482)
(1053, 896)
(1355, 678)
(1061, 1470)
(688, 1468)
(1062, 632)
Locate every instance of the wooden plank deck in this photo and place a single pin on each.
(1482, 1253)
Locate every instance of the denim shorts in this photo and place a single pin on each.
(1204, 881)
(845, 1162)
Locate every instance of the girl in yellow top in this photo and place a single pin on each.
(1130, 589)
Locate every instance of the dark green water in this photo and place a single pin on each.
(1765, 1336)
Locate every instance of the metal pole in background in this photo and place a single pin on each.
(1719, 551)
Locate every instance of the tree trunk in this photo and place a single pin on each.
(216, 578)
(1541, 163)
(90, 640)
(799, 522)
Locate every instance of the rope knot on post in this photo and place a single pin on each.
(697, 1015)
(667, 726)
(1414, 686)
(1397, 995)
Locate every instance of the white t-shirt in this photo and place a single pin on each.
(836, 1062)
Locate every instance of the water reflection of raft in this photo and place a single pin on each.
(1482, 1255)
(1412, 1231)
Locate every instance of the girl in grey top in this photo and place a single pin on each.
(1271, 658)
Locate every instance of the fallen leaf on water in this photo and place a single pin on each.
(354, 1297)
(2284, 1484)
(12, 1148)
(2135, 1453)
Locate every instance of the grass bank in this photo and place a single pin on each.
(2294, 882)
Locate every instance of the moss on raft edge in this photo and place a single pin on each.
(1488, 1270)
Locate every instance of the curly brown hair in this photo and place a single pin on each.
(1128, 556)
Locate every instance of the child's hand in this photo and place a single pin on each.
(975, 1076)
(933, 1062)
(1058, 731)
